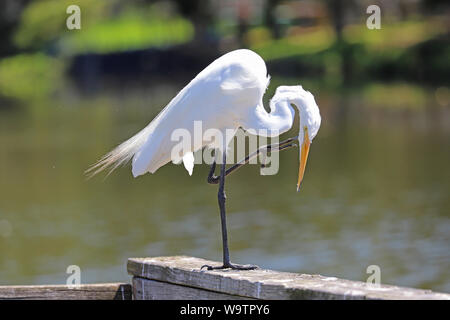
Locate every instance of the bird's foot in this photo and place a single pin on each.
(230, 266)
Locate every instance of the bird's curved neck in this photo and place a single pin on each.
(277, 121)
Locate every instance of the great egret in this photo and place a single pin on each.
(226, 95)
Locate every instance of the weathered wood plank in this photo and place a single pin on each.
(101, 291)
(145, 289)
(263, 284)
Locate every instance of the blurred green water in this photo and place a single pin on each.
(375, 192)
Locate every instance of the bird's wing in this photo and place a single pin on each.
(217, 97)
(197, 107)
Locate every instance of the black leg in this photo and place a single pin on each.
(211, 177)
(283, 145)
(223, 219)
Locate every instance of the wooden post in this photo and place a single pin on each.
(180, 277)
(99, 291)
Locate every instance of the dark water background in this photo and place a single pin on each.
(376, 192)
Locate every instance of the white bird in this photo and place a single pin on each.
(226, 95)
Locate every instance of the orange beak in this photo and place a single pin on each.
(304, 151)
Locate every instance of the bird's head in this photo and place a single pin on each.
(309, 120)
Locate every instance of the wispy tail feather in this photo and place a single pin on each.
(126, 150)
(120, 155)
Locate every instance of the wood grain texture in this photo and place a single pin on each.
(145, 289)
(102, 291)
(263, 284)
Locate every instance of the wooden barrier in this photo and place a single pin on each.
(180, 277)
(102, 291)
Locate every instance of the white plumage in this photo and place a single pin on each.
(227, 94)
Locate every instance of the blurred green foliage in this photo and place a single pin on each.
(307, 43)
(396, 35)
(396, 49)
(415, 49)
(30, 77)
(107, 26)
(132, 30)
(44, 21)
